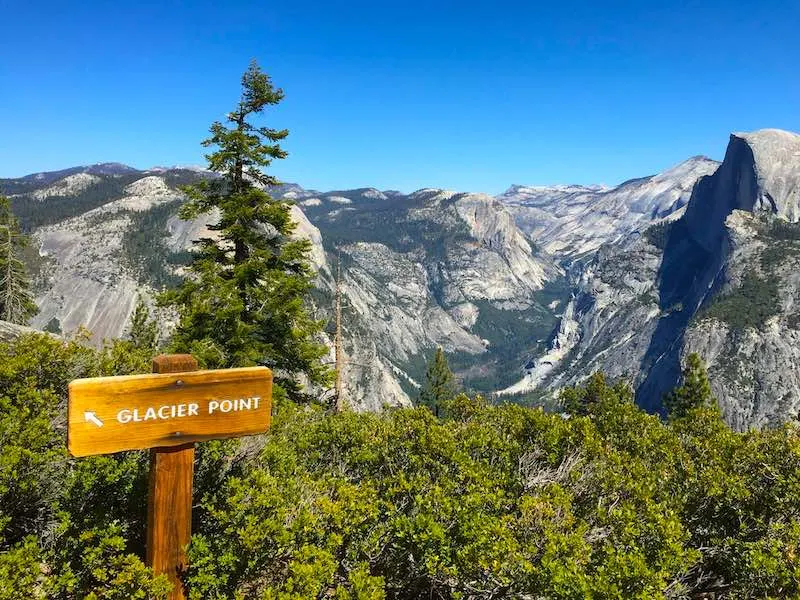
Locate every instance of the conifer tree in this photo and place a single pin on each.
(143, 332)
(695, 391)
(53, 326)
(243, 303)
(439, 386)
(16, 301)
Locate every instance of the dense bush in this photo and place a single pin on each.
(491, 502)
(68, 529)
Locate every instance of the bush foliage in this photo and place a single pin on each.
(491, 502)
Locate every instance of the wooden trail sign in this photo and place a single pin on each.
(167, 412)
(112, 414)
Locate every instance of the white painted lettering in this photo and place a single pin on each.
(226, 406)
(173, 411)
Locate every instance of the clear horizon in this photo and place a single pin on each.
(367, 185)
(461, 96)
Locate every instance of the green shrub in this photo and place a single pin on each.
(492, 502)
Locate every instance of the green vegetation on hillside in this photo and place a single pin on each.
(35, 213)
(658, 234)
(749, 305)
(490, 502)
(16, 299)
(145, 249)
(514, 337)
(782, 241)
(392, 223)
(784, 230)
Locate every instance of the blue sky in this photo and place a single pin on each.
(463, 95)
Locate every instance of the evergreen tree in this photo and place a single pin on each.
(53, 326)
(16, 300)
(243, 302)
(143, 332)
(695, 390)
(595, 396)
(440, 386)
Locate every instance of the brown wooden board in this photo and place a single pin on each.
(112, 414)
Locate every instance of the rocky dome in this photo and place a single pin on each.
(761, 171)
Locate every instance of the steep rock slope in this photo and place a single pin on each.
(721, 280)
(434, 268)
(570, 221)
(91, 285)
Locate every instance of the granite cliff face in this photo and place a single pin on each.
(573, 221)
(90, 283)
(420, 271)
(749, 330)
(433, 268)
(527, 292)
(721, 280)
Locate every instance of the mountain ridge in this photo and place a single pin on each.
(555, 281)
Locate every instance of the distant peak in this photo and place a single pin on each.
(691, 168)
(110, 168)
(164, 169)
(699, 158)
(432, 194)
(565, 188)
(767, 133)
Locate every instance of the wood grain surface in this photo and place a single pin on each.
(169, 498)
(112, 414)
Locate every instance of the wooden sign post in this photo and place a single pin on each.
(167, 412)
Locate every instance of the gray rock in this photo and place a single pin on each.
(641, 308)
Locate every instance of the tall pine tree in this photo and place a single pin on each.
(143, 330)
(16, 300)
(695, 390)
(243, 302)
(440, 385)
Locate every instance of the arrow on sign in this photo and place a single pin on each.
(91, 417)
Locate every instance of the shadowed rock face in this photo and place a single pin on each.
(647, 305)
(403, 296)
(471, 273)
(759, 176)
